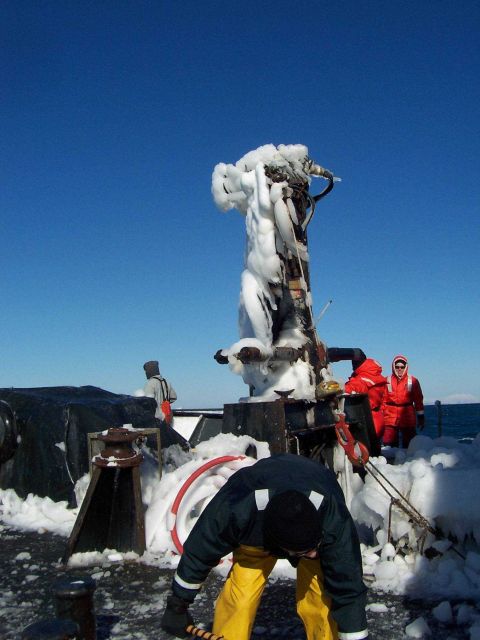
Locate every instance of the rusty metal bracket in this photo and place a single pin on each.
(95, 445)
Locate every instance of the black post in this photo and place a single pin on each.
(438, 404)
(74, 601)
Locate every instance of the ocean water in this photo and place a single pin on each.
(460, 421)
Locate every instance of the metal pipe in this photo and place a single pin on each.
(246, 355)
(336, 354)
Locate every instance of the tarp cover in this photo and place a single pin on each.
(53, 423)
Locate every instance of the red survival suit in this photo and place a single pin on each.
(367, 378)
(402, 406)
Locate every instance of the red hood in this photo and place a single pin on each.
(369, 367)
(400, 357)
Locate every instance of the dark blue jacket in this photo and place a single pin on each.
(235, 516)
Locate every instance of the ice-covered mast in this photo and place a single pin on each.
(279, 352)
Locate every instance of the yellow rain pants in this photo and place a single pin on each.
(238, 601)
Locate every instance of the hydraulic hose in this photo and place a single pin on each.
(214, 462)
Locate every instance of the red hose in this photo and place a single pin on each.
(176, 503)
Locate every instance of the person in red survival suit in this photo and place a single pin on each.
(367, 378)
(402, 405)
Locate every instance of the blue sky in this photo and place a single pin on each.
(113, 116)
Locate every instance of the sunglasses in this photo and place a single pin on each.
(300, 554)
(399, 366)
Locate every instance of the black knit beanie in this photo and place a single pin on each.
(291, 522)
(151, 368)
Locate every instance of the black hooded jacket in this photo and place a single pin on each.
(235, 516)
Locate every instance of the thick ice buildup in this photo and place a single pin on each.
(270, 216)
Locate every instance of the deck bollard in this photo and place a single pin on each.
(74, 601)
(111, 515)
(52, 630)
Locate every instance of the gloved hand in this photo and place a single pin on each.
(176, 617)
(421, 422)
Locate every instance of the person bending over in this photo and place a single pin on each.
(285, 506)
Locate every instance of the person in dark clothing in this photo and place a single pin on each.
(286, 506)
